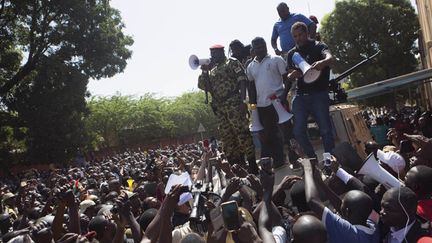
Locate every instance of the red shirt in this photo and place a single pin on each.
(424, 209)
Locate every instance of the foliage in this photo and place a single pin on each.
(48, 51)
(357, 29)
(122, 120)
(53, 109)
(86, 35)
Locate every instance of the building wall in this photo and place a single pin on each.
(424, 8)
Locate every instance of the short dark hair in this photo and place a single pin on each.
(406, 197)
(146, 218)
(299, 25)
(257, 40)
(282, 4)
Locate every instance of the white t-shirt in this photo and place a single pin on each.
(267, 75)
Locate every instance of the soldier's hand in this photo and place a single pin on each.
(277, 52)
(205, 67)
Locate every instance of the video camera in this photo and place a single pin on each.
(200, 214)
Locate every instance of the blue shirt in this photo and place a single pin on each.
(282, 29)
(340, 230)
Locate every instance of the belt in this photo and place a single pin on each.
(309, 93)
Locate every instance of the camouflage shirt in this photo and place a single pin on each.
(223, 82)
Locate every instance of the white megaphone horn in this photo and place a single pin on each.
(310, 75)
(195, 62)
(378, 173)
(256, 124)
(283, 114)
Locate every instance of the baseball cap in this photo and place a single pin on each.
(394, 160)
(86, 204)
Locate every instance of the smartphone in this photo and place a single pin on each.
(327, 163)
(216, 218)
(230, 216)
(266, 164)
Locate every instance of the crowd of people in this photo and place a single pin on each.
(219, 192)
(183, 194)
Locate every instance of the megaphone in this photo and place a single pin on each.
(310, 75)
(195, 62)
(256, 124)
(283, 114)
(372, 168)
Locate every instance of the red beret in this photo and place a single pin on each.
(314, 19)
(216, 46)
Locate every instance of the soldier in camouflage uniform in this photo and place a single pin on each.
(226, 81)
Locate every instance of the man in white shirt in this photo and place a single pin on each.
(268, 74)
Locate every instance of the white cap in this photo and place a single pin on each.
(392, 159)
(86, 204)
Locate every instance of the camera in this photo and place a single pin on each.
(199, 213)
(266, 164)
(327, 163)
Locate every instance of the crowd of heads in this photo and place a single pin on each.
(124, 198)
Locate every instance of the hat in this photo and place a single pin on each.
(86, 204)
(392, 159)
(314, 19)
(216, 46)
(8, 196)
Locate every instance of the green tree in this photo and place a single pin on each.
(186, 113)
(52, 109)
(357, 29)
(125, 120)
(48, 51)
(86, 35)
(107, 117)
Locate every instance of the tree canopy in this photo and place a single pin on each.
(49, 49)
(357, 29)
(85, 35)
(122, 120)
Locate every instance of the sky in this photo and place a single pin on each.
(167, 32)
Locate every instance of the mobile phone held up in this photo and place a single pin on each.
(230, 216)
(266, 164)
